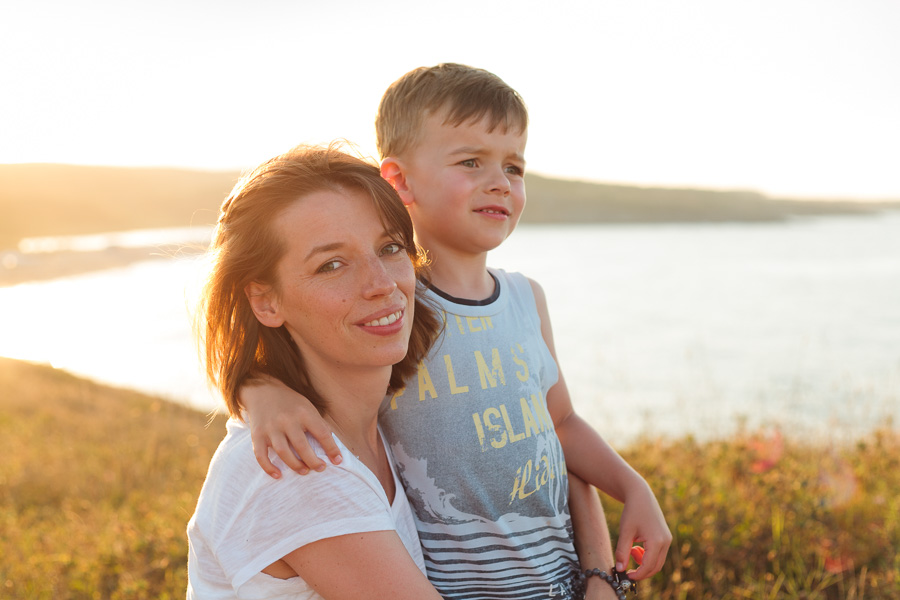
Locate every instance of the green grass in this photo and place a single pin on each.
(97, 485)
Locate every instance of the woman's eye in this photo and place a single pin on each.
(331, 265)
(392, 248)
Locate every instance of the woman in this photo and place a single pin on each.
(313, 282)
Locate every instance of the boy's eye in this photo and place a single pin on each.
(331, 265)
(514, 170)
(469, 162)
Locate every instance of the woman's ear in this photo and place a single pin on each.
(392, 172)
(264, 304)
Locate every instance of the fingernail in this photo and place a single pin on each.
(275, 475)
(337, 459)
(303, 471)
(620, 566)
(320, 468)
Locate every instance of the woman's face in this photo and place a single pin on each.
(346, 286)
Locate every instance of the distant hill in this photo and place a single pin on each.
(563, 201)
(51, 199)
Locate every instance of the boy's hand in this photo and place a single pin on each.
(279, 418)
(643, 521)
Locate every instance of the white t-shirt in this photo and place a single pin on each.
(245, 520)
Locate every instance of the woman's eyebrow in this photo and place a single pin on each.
(332, 246)
(324, 248)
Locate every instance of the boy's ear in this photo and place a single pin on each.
(264, 304)
(392, 172)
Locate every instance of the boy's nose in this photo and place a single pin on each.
(499, 182)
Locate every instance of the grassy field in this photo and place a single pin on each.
(97, 485)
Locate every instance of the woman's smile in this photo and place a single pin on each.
(394, 318)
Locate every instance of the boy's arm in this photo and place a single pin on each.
(592, 540)
(279, 418)
(592, 459)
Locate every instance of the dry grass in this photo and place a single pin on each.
(761, 516)
(97, 485)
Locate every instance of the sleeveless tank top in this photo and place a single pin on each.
(479, 457)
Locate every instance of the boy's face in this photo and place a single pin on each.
(465, 189)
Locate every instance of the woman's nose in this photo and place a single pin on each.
(378, 280)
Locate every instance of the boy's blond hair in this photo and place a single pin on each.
(464, 94)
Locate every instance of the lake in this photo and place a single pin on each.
(660, 329)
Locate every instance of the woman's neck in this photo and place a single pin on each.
(352, 402)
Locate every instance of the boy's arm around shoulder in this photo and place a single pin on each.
(596, 462)
(279, 418)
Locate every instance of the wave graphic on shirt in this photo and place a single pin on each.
(475, 557)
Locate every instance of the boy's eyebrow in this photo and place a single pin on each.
(467, 150)
(479, 150)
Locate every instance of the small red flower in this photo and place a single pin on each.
(637, 553)
(766, 451)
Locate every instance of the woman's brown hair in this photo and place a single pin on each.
(246, 248)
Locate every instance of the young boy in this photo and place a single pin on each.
(480, 435)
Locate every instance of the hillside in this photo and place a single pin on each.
(43, 200)
(97, 485)
(48, 199)
(562, 201)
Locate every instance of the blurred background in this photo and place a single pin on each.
(713, 188)
(713, 212)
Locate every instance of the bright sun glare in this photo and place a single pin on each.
(703, 93)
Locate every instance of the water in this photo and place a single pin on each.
(660, 330)
(675, 329)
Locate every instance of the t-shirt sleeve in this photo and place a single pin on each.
(261, 520)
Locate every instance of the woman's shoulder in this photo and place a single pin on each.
(235, 451)
(236, 483)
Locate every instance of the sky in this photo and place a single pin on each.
(796, 98)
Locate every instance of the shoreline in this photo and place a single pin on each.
(736, 428)
(18, 268)
(25, 267)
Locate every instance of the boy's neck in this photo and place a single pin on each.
(461, 276)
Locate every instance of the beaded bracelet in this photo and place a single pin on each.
(619, 581)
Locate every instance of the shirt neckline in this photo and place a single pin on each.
(467, 301)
